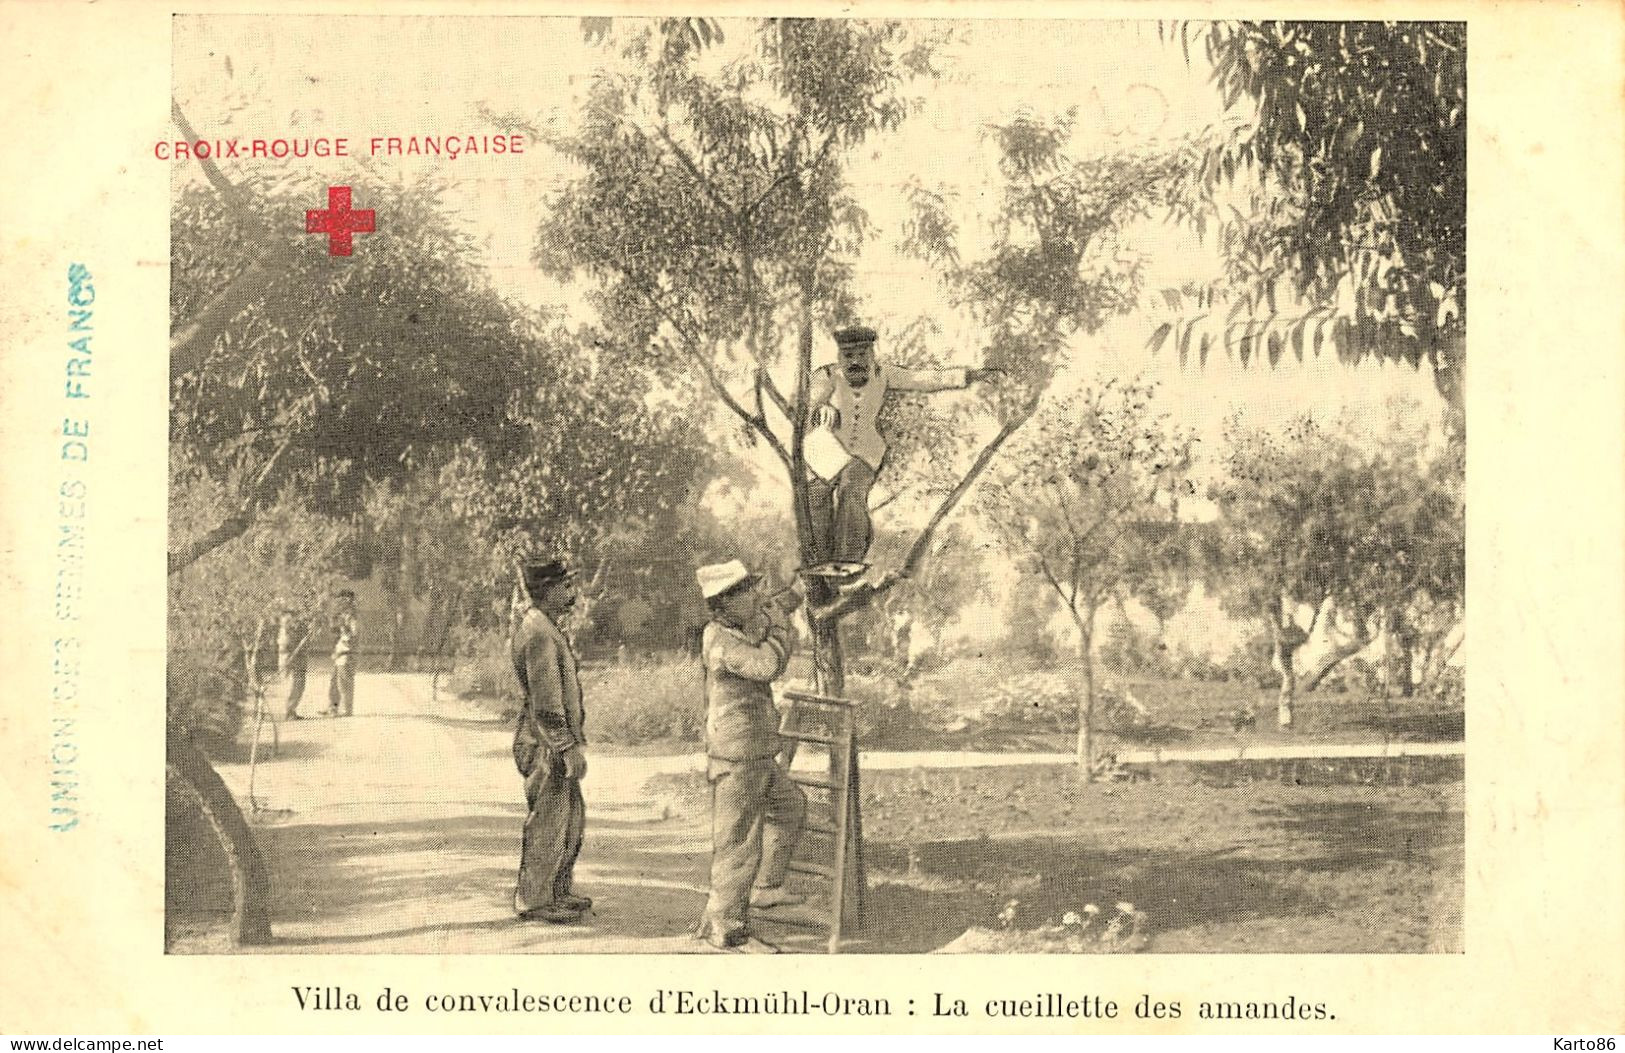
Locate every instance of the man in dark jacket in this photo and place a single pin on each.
(547, 749)
(756, 810)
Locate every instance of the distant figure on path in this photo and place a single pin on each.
(756, 810)
(292, 658)
(547, 749)
(341, 688)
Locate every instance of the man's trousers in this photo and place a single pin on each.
(840, 512)
(294, 678)
(552, 837)
(756, 816)
(341, 688)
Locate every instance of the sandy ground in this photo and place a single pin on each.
(397, 831)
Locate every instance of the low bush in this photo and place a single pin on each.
(656, 699)
(482, 666)
(1252, 662)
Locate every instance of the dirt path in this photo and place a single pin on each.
(397, 830)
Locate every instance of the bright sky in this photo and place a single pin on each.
(356, 76)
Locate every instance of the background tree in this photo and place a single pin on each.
(223, 614)
(337, 370)
(1365, 537)
(1355, 231)
(604, 468)
(1087, 502)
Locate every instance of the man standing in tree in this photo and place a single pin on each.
(756, 810)
(547, 749)
(341, 688)
(848, 397)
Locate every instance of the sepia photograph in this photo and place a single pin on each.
(816, 485)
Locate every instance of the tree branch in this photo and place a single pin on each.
(236, 523)
(189, 344)
(865, 594)
(699, 177)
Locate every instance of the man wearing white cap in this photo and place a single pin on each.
(756, 811)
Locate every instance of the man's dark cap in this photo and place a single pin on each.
(345, 594)
(541, 573)
(855, 336)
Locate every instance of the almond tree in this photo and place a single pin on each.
(1088, 503)
(716, 228)
(1365, 537)
(1354, 232)
(335, 371)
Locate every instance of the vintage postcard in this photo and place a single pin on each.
(969, 508)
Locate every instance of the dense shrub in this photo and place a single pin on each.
(645, 700)
(1252, 662)
(482, 666)
(1131, 651)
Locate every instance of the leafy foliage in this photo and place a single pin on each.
(341, 369)
(1089, 503)
(222, 612)
(1359, 144)
(1056, 266)
(1369, 533)
(1088, 499)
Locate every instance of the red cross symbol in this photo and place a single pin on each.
(338, 222)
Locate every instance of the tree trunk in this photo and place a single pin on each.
(1338, 656)
(1286, 651)
(228, 529)
(1086, 702)
(250, 886)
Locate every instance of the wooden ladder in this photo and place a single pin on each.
(836, 733)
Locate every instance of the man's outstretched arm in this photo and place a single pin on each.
(900, 379)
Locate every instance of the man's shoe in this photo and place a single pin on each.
(552, 913)
(580, 903)
(779, 896)
(753, 945)
(740, 941)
